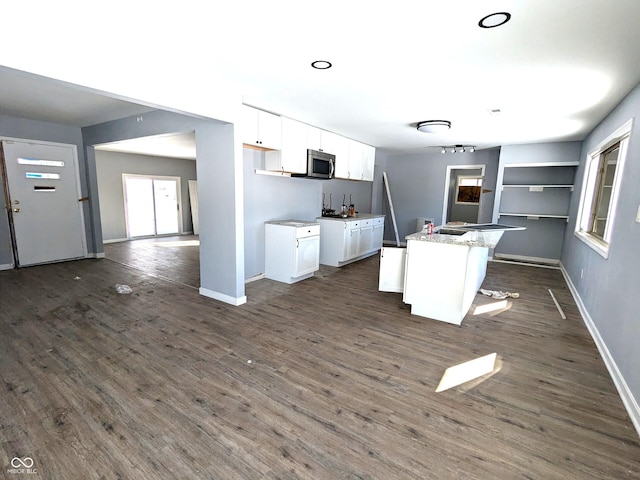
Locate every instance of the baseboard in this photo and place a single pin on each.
(7, 266)
(236, 301)
(526, 260)
(114, 240)
(95, 255)
(629, 401)
(259, 276)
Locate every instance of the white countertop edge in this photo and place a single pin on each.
(292, 223)
(360, 216)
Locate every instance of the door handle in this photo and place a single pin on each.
(16, 210)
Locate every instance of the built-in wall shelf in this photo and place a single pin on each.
(534, 188)
(538, 188)
(533, 216)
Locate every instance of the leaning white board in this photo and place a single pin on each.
(193, 200)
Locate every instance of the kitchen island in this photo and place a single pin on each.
(349, 239)
(443, 272)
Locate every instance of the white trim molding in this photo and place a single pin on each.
(235, 301)
(7, 266)
(629, 401)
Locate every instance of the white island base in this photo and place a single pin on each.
(441, 279)
(443, 272)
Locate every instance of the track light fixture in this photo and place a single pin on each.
(458, 148)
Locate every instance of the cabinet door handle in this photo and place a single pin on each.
(297, 243)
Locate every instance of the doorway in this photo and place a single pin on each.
(152, 205)
(44, 201)
(463, 193)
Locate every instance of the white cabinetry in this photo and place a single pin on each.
(441, 279)
(377, 235)
(358, 164)
(368, 162)
(260, 129)
(348, 240)
(292, 250)
(328, 142)
(286, 142)
(293, 154)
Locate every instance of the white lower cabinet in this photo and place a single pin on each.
(292, 250)
(344, 241)
(377, 234)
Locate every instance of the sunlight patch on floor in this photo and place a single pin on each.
(494, 308)
(178, 243)
(467, 371)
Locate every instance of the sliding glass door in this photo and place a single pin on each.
(152, 205)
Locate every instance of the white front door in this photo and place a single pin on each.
(43, 188)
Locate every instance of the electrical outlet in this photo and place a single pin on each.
(638, 215)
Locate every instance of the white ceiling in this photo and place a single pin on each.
(554, 71)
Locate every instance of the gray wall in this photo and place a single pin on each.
(111, 165)
(219, 172)
(272, 198)
(358, 192)
(609, 287)
(16, 127)
(417, 184)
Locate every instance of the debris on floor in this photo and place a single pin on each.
(76, 278)
(498, 294)
(553, 297)
(123, 289)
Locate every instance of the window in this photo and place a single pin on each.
(469, 189)
(600, 188)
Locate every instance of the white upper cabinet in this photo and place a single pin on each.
(354, 160)
(293, 154)
(261, 129)
(368, 161)
(324, 141)
(314, 138)
(336, 145)
(358, 164)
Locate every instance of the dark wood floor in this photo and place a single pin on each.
(324, 379)
(175, 258)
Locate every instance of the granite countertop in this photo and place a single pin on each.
(293, 223)
(359, 216)
(469, 239)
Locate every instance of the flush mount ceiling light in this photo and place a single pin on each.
(434, 126)
(494, 20)
(321, 64)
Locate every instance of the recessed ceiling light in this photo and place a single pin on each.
(321, 64)
(434, 126)
(494, 20)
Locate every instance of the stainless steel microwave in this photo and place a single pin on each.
(320, 164)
